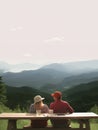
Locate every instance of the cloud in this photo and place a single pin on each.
(13, 29)
(18, 28)
(55, 39)
(27, 55)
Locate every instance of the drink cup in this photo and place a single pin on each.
(38, 112)
(50, 111)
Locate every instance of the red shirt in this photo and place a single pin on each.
(61, 106)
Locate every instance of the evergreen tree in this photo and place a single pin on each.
(2, 92)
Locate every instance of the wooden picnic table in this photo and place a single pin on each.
(82, 118)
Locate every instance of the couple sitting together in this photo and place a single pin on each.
(58, 106)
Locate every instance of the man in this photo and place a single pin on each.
(59, 106)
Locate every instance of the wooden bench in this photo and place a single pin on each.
(81, 118)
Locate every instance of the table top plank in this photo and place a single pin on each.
(75, 115)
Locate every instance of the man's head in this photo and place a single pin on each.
(57, 95)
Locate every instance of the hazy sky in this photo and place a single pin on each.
(45, 31)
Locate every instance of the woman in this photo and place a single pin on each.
(38, 105)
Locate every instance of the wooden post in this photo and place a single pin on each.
(11, 125)
(81, 124)
(87, 124)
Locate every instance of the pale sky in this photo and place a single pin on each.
(47, 31)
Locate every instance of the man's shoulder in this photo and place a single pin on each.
(64, 102)
(52, 103)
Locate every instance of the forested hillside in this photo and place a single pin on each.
(83, 96)
(23, 96)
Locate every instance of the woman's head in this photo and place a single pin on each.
(38, 99)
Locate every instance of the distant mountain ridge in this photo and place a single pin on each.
(5, 67)
(70, 66)
(58, 75)
(71, 81)
(75, 68)
(34, 78)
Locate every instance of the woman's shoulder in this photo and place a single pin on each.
(32, 105)
(45, 105)
(45, 108)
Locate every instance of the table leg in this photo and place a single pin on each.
(81, 123)
(85, 122)
(11, 125)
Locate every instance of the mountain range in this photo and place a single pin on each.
(57, 76)
(75, 67)
(5, 67)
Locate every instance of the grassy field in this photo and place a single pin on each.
(21, 123)
(93, 126)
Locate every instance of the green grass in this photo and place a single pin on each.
(21, 123)
(93, 126)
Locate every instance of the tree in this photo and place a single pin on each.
(2, 91)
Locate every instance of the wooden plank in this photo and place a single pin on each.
(47, 116)
(53, 129)
(76, 115)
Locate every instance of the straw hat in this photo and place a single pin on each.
(38, 98)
